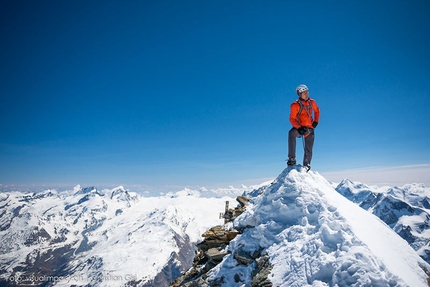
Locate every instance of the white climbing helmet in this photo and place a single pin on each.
(301, 88)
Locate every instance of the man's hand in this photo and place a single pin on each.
(314, 124)
(302, 130)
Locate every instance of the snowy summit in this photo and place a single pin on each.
(314, 236)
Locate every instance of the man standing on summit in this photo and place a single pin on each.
(304, 116)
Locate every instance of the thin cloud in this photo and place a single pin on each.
(391, 175)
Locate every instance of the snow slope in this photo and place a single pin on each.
(316, 237)
(405, 209)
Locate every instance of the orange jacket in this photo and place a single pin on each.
(305, 118)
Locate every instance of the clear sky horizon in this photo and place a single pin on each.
(197, 93)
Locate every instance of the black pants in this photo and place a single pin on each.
(309, 137)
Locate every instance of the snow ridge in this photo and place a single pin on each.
(316, 237)
(405, 209)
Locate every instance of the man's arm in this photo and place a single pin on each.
(294, 110)
(316, 111)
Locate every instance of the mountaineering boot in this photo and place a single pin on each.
(307, 167)
(291, 161)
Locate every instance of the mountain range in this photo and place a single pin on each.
(88, 237)
(306, 230)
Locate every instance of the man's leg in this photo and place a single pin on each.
(293, 134)
(309, 145)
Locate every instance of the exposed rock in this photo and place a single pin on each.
(215, 237)
(214, 254)
(243, 200)
(36, 236)
(244, 257)
(213, 250)
(232, 214)
(260, 276)
(211, 254)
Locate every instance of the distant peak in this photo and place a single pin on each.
(118, 192)
(86, 190)
(346, 181)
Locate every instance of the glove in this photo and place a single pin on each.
(314, 124)
(302, 130)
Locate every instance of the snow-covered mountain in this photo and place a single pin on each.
(297, 231)
(405, 209)
(88, 237)
(300, 231)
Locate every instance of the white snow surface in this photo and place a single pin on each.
(405, 209)
(117, 236)
(316, 237)
(313, 235)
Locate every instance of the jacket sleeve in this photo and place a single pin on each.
(294, 110)
(316, 111)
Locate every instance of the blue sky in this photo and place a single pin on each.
(197, 93)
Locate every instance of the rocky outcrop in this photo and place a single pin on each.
(214, 248)
(232, 214)
(211, 252)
